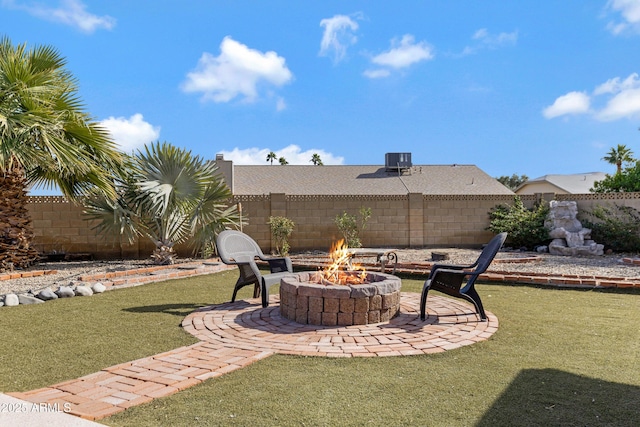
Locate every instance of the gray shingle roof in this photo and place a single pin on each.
(363, 180)
(577, 183)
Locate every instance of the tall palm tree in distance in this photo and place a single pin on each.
(316, 160)
(283, 161)
(619, 155)
(46, 138)
(271, 157)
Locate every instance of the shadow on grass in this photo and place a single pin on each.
(175, 309)
(553, 397)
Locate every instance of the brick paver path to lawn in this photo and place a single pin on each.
(233, 335)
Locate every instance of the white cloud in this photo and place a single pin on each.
(615, 85)
(377, 74)
(624, 104)
(571, 103)
(132, 133)
(70, 12)
(485, 40)
(338, 36)
(293, 153)
(237, 72)
(494, 41)
(404, 53)
(629, 11)
(618, 98)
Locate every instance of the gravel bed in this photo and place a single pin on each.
(69, 272)
(606, 265)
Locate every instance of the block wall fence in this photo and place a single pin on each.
(409, 221)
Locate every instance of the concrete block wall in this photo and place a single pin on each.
(413, 220)
(60, 226)
(458, 221)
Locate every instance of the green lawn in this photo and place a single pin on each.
(560, 357)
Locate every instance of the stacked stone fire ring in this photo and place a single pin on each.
(304, 301)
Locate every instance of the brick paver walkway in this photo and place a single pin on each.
(237, 334)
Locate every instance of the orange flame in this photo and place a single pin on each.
(341, 271)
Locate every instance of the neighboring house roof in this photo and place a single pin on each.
(363, 180)
(579, 183)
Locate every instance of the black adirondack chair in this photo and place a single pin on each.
(237, 248)
(449, 278)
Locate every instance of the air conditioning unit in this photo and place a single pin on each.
(397, 161)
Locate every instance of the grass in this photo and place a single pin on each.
(67, 338)
(560, 357)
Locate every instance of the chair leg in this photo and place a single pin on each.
(236, 288)
(423, 300)
(473, 294)
(265, 294)
(239, 285)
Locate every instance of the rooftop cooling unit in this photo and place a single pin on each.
(397, 161)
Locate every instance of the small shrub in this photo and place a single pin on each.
(281, 229)
(616, 227)
(348, 226)
(525, 227)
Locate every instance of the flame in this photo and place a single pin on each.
(341, 271)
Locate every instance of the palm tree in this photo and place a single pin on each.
(46, 138)
(618, 156)
(283, 161)
(169, 196)
(271, 156)
(316, 160)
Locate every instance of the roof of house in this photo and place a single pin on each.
(578, 183)
(363, 180)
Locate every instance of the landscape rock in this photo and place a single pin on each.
(569, 237)
(65, 292)
(83, 291)
(11, 300)
(98, 288)
(29, 299)
(47, 294)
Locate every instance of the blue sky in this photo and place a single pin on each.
(512, 86)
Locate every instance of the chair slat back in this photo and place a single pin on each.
(489, 252)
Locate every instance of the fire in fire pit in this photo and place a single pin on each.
(340, 271)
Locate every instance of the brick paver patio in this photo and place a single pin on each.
(233, 335)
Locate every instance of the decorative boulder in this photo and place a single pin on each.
(98, 288)
(29, 299)
(569, 237)
(65, 292)
(11, 300)
(47, 294)
(83, 291)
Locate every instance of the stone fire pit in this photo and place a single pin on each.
(306, 302)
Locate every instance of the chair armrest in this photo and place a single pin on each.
(460, 272)
(279, 264)
(450, 267)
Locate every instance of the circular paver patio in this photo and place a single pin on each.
(234, 335)
(246, 325)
